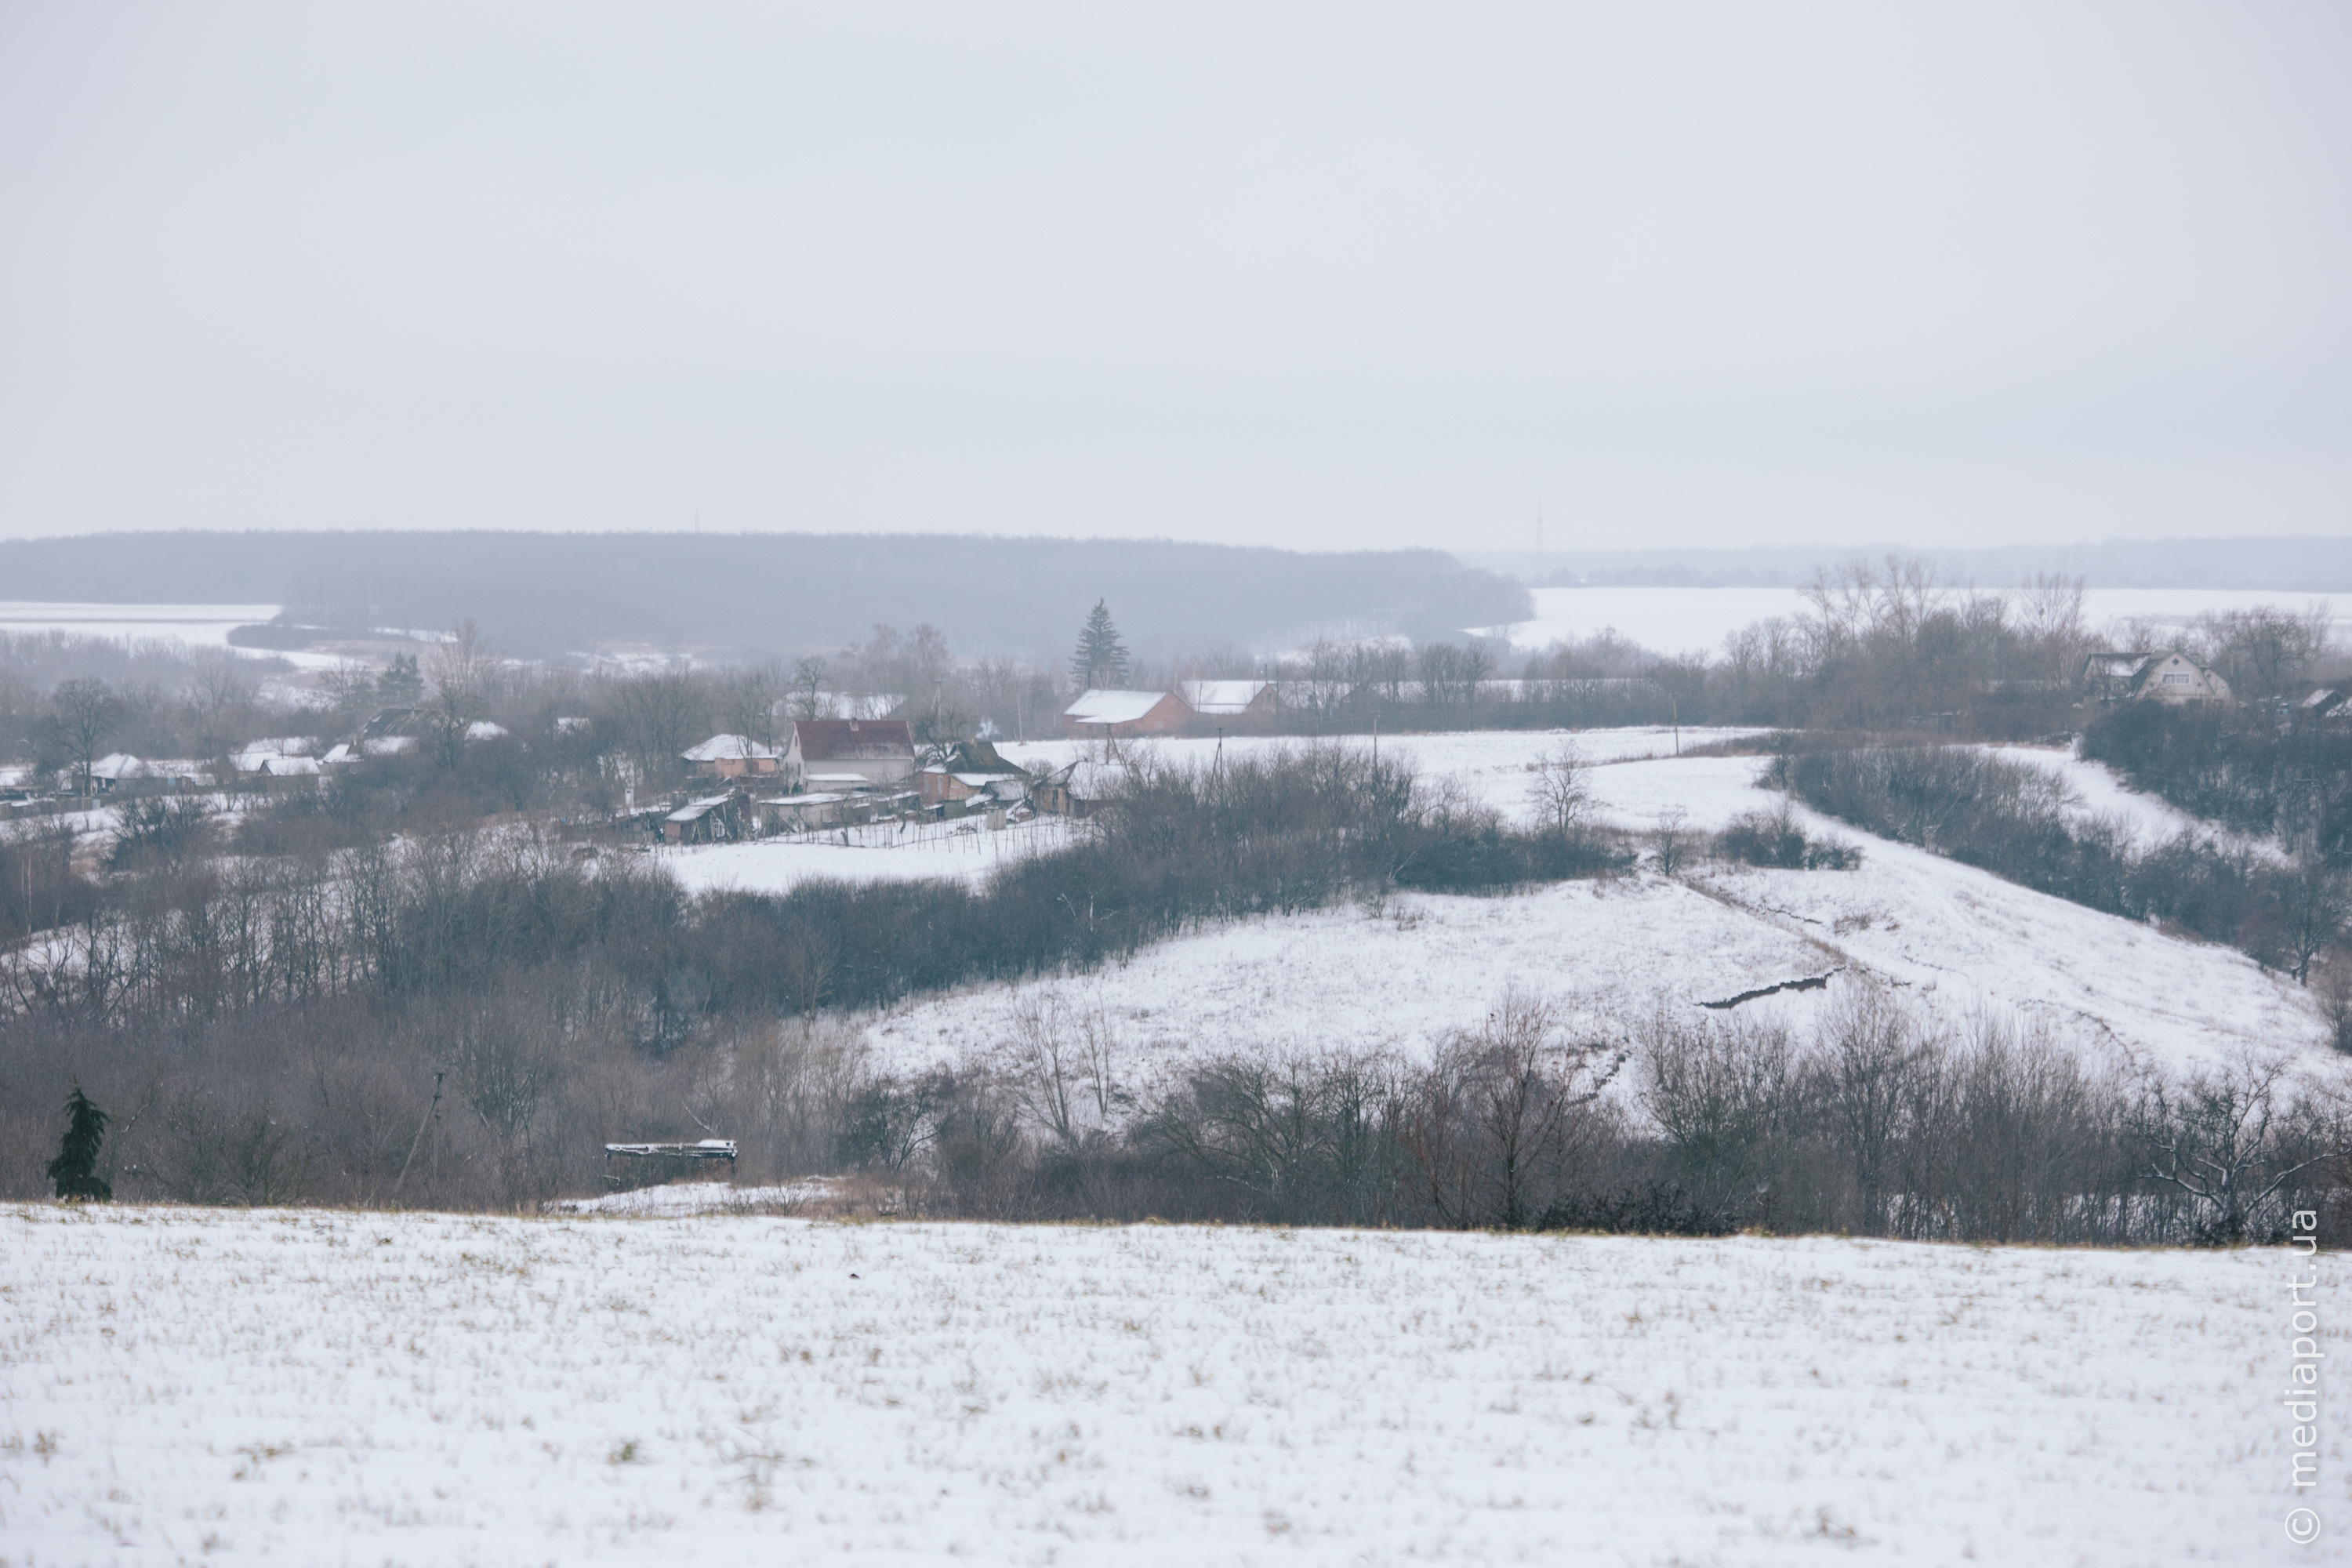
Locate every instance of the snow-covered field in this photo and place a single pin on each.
(897, 852)
(452, 1390)
(199, 625)
(1494, 764)
(1674, 620)
(1953, 941)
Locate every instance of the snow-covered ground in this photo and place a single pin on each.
(199, 625)
(1672, 620)
(700, 1197)
(962, 850)
(1954, 941)
(1479, 754)
(1494, 764)
(452, 1390)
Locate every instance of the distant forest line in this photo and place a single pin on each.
(546, 595)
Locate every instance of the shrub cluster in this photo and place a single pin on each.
(1873, 1123)
(2019, 822)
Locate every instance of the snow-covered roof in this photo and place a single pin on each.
(727, 749)
(117, 765)
(848, 739)
(288, 767)
(483, 729)
(388, 745)
(284, 746)
(2323, 699)
(17, 775)
(851, 779)
(570, 724)
(1113, 707)
(693, 808)
(799, 800)
(1216, 696)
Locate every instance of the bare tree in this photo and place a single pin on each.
(1669, 841)
(1561, 791)
(2315, 903)
(82, 715)
(808, 687)
(2223, 1141)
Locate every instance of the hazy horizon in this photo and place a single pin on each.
(1705, 278)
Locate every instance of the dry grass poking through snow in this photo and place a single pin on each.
(312, 1387)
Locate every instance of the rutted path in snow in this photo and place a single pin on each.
(447, 1390)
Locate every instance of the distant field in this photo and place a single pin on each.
(199, 625)
(1674, 620)
(183, 1385)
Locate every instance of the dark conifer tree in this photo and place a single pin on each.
(1101, 657)
(75, 1170)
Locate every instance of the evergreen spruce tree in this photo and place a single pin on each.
(75, 1170)
(1101, 658)
(401, 685)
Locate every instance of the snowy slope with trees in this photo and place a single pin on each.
(1955, 940)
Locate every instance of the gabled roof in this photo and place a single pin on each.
(728, 749)
(848, 740)
(1114, 707)
(1216, 696)
(964, 758)
(693, 809)
(117, 765)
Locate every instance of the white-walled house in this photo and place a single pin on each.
(2169, 675)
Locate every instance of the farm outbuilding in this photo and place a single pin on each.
(735, 757)
(1113, 713)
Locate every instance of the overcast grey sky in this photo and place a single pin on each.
(1365, 275)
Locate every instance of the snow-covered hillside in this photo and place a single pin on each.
(454, 1389)
(1954, 940)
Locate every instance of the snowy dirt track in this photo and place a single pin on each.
(184, 1384)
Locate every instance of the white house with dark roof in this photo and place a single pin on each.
(2169, 675)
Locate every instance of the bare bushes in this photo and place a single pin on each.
(2015, 820)
(1504, 1124)
(1876, 1125)
(1874, 1122)
(1776, 838)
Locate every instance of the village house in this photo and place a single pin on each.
(713, 819)
(2169, 675)
(1079, 789)
(2328, 704)
(1241, 704)
(1111, 712)
(275, 756)
(115, 768)
(735, 757)
(850, 753)
(119, 768)
(968, 770)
